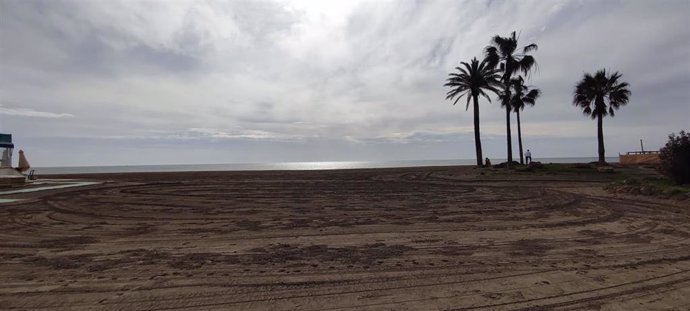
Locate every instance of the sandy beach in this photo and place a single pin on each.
(443, 238)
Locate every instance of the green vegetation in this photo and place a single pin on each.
(522, 96)
(592, 94)
(658, 186)
(503, 53)
(580, 170)
(626, 180)
(675, 158)
(472, 80)
(501, 56)
(558, 168)
(598, 95)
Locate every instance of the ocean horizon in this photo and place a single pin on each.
(289, 166)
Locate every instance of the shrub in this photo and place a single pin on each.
(675, 158)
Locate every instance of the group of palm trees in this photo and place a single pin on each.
(501, 73)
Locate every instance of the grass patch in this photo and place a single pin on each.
(558, 168)
(580, 170)
(657, 186)
(619, 179)
(576, 168)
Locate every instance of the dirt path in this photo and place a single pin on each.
(389, 239)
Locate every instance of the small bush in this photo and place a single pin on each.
(506, 164)
(536, 166)
(675, 158)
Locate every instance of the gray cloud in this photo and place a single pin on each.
(288, 80)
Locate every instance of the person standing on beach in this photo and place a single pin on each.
(528, 157)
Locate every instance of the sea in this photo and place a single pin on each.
(332, 165)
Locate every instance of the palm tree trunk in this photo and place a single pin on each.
(510, 143)
(600, 138)
(506, 81)
(477, 139)
(520, 137)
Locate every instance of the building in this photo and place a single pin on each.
(9, 176)
(7, 147)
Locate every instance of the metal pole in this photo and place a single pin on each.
(641, 146)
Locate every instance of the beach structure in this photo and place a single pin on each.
(23, 164)
(9, 176)
(641, 157)
(7, 147)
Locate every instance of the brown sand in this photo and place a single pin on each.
(388, 239)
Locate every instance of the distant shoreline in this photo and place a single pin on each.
(284, 166)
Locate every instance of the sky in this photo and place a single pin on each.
(124, 82)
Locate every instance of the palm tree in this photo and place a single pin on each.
(502, 53)
(522, 97)
(472, 80)
(592, 93)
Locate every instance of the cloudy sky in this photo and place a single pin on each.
(163, 82)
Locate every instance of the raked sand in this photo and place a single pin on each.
(442, 238)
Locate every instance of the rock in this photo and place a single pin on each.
(505, 164)
(535, 165)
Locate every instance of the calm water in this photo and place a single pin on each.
(280, 166)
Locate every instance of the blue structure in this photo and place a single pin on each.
(6, 146)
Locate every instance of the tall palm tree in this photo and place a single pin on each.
(503, 52)
(521, 97)
(473, 80)
(592, 94)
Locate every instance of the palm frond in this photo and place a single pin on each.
(526, 64)
(600, 76)
(471, 79)
(613, 79)
(495, 88)
(587, 110)
(467, 106)
(505, 98)
(593, 91)
(507, 46)
(461, 70)
(483, 94)
(533, 94)
(461, 95)
(491, 56)
(529, 48)
(619, 97)
(498, 41)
